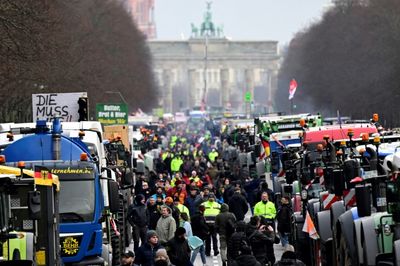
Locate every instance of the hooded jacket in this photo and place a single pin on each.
(238, 206)
(166, 227)
(222, 219)
(137, 212)
(199, 225)
(178, 251)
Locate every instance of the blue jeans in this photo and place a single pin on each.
(284, 238)
(202, 254)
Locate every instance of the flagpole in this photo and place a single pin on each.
(291, 106)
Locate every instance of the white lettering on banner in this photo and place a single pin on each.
(46, 106)
(112, 108)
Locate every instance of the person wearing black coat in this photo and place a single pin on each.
(138, 218)
(283, 217)
(153, 212)
(201, 230)
(145, 255)
(237, 240)
(178, 248)
(259, 237)
(246, 259)
(238, 205)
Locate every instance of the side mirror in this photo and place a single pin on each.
(34, 207)
(113, 196)
(127, 178)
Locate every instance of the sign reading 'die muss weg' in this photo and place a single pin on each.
(112, 114)
(46, 106)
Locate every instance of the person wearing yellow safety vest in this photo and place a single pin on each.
(265, 208)
(176, 163)
(213, 155)
(212, 209)
(182, 208)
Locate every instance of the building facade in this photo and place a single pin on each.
(142, 12)
(216, 70)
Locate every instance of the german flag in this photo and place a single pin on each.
(43, 176)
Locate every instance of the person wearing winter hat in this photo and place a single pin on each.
(174, 210)
(166, 225)
(138, 219)
(128, 258)
(178, 248)
(147, 251)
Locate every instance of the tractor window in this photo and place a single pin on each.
(77, 199)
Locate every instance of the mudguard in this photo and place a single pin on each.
(369, 243)
(323, 219)
(357, 238)
(336, 210)
(311, 207)
(345, 228)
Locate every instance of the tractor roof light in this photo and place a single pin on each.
(10, 136)
(84, 156)
(2, 159)
(350, 132)
(21, 164)
(375, 117)
(364, 137)
(377, 140)
(81, 134)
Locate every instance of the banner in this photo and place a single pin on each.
(46, 106)
(292, 88)
(112, 114)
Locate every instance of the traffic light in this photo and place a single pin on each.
(83, 109)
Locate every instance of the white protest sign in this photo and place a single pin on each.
(46, 106)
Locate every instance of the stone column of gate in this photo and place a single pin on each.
(225, 93)
(249, 86)
(167, 93)
(192, 88)
(273, 82)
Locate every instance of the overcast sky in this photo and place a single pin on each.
(241, 19)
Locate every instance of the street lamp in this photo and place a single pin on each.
(120, 95)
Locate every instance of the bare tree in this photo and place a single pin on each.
(70, 46)
(348, 61)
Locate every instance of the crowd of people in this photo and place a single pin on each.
(195, 193)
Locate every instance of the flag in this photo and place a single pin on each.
(43, 176)
(292, 88)
(265, 148)
(309, 227)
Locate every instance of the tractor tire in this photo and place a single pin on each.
(116, 249)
